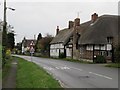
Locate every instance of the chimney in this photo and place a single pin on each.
(57, 30)
(94, 17)
(77, 22)
(71, 24)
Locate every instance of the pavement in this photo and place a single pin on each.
(78, 75)
(10, 80)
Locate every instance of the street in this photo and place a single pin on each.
(77, 75)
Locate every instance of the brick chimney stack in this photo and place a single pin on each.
(57, 30)
(71, 24)
(94, 17)
(77, 22)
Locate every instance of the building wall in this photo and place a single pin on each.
(69, 52)
(56, 49)
(86, 52)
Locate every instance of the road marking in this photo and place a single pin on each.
(77, 68)
(62, 68)
(101, 75)
(48, 68)
(65, 67)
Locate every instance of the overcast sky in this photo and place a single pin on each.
(33, 17)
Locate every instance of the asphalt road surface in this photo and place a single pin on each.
(77, 75)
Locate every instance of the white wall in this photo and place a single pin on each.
(97, 47)
(55, 49)
(89, 47)
(68, 52)
(109, 47)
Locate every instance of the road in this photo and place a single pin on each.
(77, 75)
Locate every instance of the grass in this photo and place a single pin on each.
(6, 68)
(30, 75)
(0, 61)
(114, 65)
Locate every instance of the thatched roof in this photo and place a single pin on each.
(63, 36)
(97, 33)
(92, 33)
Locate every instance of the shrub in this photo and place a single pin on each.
(117, 54)
(100, 59)
(61, 55)
(8, 54)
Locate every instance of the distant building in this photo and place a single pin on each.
(27, 44)
(99, 36)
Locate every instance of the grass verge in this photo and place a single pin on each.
(30, 75)
(6, 68)
(114, 65)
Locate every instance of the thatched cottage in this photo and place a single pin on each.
(27, 44)
(99, 36)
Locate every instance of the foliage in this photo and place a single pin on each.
(62, 55)
(114, 65)
(100, 59)
(6, 68)
(44, 44)
(4, 44)
(37, 42)
(0, 55)
(117, 54)
(10, 41)
(29, 75)
(8, 54)
(19, 46)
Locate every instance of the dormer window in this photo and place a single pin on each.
(110, 39)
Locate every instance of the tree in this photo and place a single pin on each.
(10, 41)
(117, 54)
(37, 42)
(44, 44)
(4, 44)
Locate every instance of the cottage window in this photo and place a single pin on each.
(89, 47)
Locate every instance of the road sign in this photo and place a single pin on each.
(32, 50)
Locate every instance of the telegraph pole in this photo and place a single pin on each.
(4, 34)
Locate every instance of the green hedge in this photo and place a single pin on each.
(100, 59)
(61, 55)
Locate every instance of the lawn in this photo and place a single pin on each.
(0, 55)
(30, 75)
(114, 65)
(0, 62)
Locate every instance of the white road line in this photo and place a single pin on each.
(101, 75)
(76, 68)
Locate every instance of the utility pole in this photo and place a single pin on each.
(4, 35)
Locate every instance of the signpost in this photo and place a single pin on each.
(31, 49)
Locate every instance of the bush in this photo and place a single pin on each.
(117, 54)
(100, 59)
(62, 55)
(8, 54)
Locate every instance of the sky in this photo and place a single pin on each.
(32, 17)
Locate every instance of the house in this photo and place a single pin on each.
(59, 44)
(86, 41)
(27, 44)
(100, 36)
